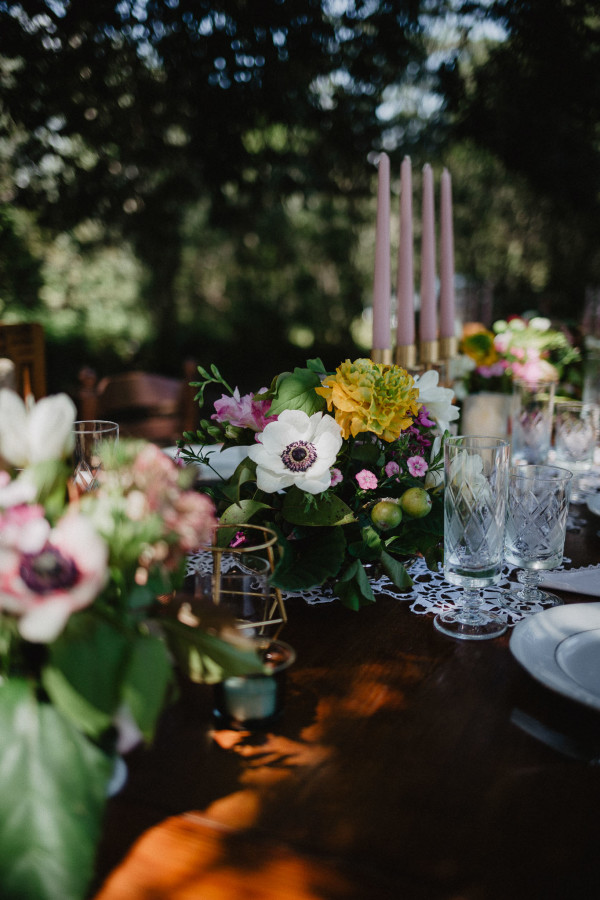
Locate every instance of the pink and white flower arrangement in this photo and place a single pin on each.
(529, 349)
(332, 447)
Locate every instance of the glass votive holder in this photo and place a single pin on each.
(234, 574)
(255, 700)
(531, 421)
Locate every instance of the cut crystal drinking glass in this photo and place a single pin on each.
(475, 495)
(538, 506)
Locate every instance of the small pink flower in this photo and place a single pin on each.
(366, 480)
(392, 468)
(416, 466)
(336, 477)
(243, 412)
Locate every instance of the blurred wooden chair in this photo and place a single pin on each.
(23, 343)
(157, 408)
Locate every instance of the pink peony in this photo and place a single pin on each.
(243, 412)
(366, 480)
(416, 466)
(46, 575)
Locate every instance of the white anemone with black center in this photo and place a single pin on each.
(296, 449)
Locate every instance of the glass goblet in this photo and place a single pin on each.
(476, 485)
(536, 524)
(90, 435)
(576, 434)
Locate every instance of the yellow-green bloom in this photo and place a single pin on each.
(368, 396)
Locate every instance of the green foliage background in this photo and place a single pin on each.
(198, 178)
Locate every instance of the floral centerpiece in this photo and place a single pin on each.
(83, 673)
(528, 349)
(344, 466)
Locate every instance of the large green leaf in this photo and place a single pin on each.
(146, 682)
(297, 391)
(205, 658)
(395, 571)
(302, 509)
(310, 560)
(84, 671)
(52, 795)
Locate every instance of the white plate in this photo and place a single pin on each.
(593, 504)
(561, 648)
(224, 462)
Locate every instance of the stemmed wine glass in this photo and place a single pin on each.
(476, 485)
(536, 524)
(90, 435)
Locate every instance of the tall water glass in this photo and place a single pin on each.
(538, 506)
(90, 436)
(531, 420)
(575, 437)
(476, 485)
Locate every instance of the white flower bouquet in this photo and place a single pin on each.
(345, 466)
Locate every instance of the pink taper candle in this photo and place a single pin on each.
(405, 290)
(382, 279)
(428, 319)
(446, 259)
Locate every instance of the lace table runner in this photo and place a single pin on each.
(430, 592)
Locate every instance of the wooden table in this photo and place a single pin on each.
(397, 771)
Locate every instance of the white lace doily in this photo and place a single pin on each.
(430, 592)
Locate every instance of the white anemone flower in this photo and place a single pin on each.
(296, 449)
(30, 434)
(438, 400)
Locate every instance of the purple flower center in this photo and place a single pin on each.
(299, 456)
(48, 571)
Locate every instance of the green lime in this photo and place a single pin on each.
(416, 502)
(386, 514)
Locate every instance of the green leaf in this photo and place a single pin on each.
(325, 510)
(241, 512)
(84, 671)
(367, 452)
(310, 560)
(316, 365)
(146, 681)
(354, 588)
(297, 391)
(395, 571)
(205, 658)
(52, 795)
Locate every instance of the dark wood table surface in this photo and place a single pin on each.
(396, 771)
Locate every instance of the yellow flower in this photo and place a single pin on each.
(478, 343)
(367, 396)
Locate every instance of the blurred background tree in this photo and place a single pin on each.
(197, 177)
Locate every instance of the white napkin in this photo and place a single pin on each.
(585, 580)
